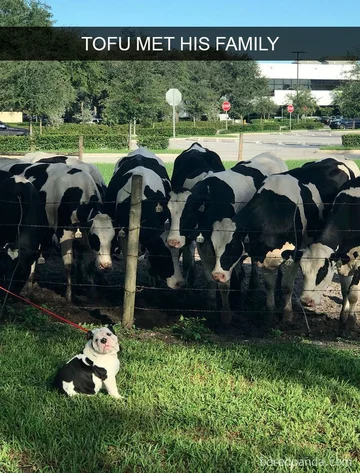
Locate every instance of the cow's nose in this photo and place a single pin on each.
(103, 340)
(308, 302)
(105, 265)
(219, 276)
(179, 284)
(173, 243)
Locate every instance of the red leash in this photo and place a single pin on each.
(45, 310)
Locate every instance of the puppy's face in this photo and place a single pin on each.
(103, 340)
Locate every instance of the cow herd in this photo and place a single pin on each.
(281, 219)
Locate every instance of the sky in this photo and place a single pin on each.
(204, 13)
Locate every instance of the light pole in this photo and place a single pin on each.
(297, 77)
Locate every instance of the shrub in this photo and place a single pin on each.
(13, 144)
(153, 141)
(83, 129)
(351, 140)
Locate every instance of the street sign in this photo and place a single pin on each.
(226, 106)
(173, 97)
(290, 108)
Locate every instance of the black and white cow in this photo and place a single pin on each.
(40, 157)
(190, 167)
(23, 221)
(193, 164)
(155, 190)
(286, 214)
(203, 213)
(338, 246)
(75, 213)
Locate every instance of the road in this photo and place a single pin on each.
(295, 145)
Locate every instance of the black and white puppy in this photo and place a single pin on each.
(95, 368)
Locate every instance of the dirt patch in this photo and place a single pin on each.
(160, 306)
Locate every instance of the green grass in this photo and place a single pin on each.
(196, 408)
(338, 148)
(107, 169)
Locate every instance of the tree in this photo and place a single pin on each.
(135, 91)
(303, 101)
(240, 83)
(264, 106)
(25, 13)
(347, 96)
(39, 88)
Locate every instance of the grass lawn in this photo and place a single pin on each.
(107, 169)
(189, 408)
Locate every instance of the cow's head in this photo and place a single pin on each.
(184, 211)
(317, 265)
(228, 245)
(100, 236)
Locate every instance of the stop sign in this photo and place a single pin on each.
(290, 108)
(226, 106)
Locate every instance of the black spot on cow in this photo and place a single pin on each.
(356, 278)
(54, 160)
(355, 254)
(69, 204)
(38, 174)
(94, 242)
(74, 171)
(250, 172)
(88, 361)
(322, 273)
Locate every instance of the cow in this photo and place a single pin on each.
(203, 212)
(75, 213)
(23, 221)
(338, 246)
(155, 190)
(40, 157)
(190, 167)
(193, 164)
(285, 215)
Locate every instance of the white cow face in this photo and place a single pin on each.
(101, 234)
(176, 206)
(318, 270)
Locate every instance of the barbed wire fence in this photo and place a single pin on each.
(130, 287)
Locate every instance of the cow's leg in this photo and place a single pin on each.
(207, 257)
(287, 287)
(66, 243)
(353, 297)
(226, 315)
(254, 277)
(29, 286)
(269, 276)
(189, 263)
(345, 282)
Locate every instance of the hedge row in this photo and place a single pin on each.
(351, 140)
(153, 142)
(11, 144)
(82, 129)
(269, 126)
(180, 131)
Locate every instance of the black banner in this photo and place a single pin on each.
(177, 43)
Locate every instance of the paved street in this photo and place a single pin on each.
(295, 145)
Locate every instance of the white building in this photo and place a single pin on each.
(320, 77)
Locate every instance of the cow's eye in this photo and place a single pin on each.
(108, 334)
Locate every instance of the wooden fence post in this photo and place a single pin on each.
(81, 147)
(132, 252)
(241, 145)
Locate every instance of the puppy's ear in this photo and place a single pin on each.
(89, 335)
(111, 328)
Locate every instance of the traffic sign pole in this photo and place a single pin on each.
(290, 109)
(173, 98)
(174, 121)
(290, 121)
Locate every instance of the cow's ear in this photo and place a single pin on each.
(333, 257)
(89, 335)
(287, 254)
